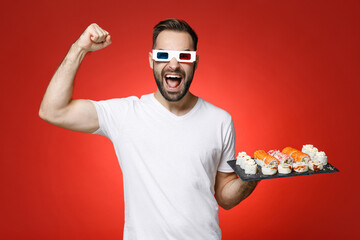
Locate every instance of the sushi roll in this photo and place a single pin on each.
(296, 154)
(258, 157)
(244, 161)
(265, 159)
(312, 152)
(259, 162)
(250, 167)
(306, 148)
(315, 165)
(284, 168)
(268, 170)
(321, 157)
(300, 167)
(282, 157)
(239, 158)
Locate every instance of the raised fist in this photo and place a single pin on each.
(93, 38)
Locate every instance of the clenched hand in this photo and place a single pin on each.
(93, 38)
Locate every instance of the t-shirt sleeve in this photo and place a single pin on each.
(228, 152)
(111, 115)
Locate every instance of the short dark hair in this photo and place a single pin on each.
(174, 25)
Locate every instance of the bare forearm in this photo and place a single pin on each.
(57, 106)
(59, 92)
(235, 191)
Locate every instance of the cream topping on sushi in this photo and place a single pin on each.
(300, 167)
(321, 157)
(247, 158)
(240, 158)
(320, 154)
(308, 146)
(242, 154)
(313, 150)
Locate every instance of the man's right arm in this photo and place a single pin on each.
(58, 107)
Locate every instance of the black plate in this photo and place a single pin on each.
(259, 176)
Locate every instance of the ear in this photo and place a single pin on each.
(197, 61)
(151, 61)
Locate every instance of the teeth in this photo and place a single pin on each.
(173, 76)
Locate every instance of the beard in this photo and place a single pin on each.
(173, 96)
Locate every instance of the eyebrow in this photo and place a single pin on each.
(176, 50)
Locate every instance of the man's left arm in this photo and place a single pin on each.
(230, 190)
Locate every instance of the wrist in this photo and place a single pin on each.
(75, 47)
(76, 53)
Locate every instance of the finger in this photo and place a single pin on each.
(94, 37)
(102, 36)
(101, 32)
(96, 34)
(108, 40)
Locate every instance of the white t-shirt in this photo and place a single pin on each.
(169, 165)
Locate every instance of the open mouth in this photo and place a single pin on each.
(173, 81)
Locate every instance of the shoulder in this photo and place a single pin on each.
(115, 104)
(124, 104)
(215, 111)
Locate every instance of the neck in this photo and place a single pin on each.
(180, 107)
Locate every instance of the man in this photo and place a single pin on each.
(172, 146)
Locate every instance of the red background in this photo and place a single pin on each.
(287, 71)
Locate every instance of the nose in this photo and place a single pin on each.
(174, 64)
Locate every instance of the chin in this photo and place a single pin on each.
(173, 97)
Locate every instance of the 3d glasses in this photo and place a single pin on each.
(180, 56)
